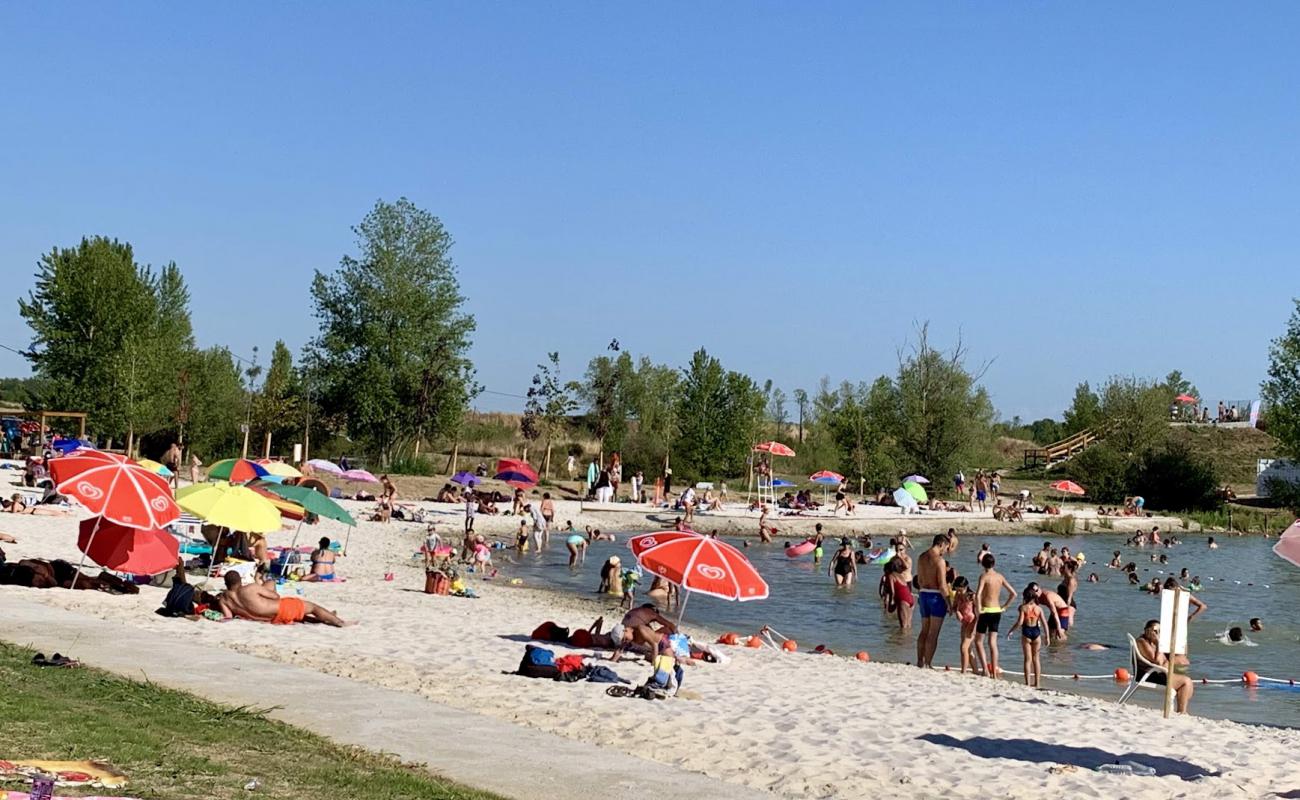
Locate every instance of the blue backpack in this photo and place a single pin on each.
(539, 656)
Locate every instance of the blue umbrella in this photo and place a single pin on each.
(466, 478)
(782, 483)
(68, 445)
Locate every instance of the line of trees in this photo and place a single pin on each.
(387, 371)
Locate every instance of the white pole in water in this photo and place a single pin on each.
(1173, 645)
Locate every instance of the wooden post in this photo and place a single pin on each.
(1173, 645)
(266, 449)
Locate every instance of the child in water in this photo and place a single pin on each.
(963, 608)
(1030, 624)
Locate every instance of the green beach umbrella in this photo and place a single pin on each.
(916, 490)
(312, 501)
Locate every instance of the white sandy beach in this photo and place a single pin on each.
(795, 724)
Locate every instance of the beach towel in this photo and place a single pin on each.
(67, 773)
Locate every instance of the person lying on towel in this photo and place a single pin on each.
(260, 602)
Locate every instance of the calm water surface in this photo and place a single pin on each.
(1248, 581)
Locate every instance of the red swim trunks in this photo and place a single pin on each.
(291, 610)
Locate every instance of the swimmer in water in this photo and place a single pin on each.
(1115, 562)
(1194, 584)
(1256, 624)
(1092, 578)
(1235, 636)
(1213, 545)
(1094, 646)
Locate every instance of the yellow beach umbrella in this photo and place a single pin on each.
(230, 506)
(279, 468)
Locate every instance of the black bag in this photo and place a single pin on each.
(179, 601)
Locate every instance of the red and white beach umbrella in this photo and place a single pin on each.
(116, 489)
(137, 551)
(1069, 487)
(699, 564)
(774, 448)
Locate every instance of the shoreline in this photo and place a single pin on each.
(790, 724)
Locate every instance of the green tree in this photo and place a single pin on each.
(801, 401)
(1281, 389)
(1083, 414)
(604, 390)
(391, 357)
(719, 415)
(777, 410)
(276, 405)
(1135, 414)
(216, 403)
(652, 398)
(944, 418)
(108, 335)
(863, 423)
(550, 404)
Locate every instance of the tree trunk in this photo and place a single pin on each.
(266, 449)
(546, 468)
(453, 458)
(525, 451)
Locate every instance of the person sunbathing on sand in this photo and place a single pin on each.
(645, 626)
(322, 562)
(261, 603)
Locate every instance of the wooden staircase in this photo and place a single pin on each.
(1061, 451)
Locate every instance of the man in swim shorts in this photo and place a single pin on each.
(988, 594)
(261, 603)
(931, 573)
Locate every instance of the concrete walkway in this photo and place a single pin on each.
(475, 750)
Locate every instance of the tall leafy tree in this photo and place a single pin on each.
(1281, 389)
(652, 399)
(549, 406)
(864, 423)
(719, 415)
(215, 405)
(277, 403)
(1136, 414)
(1084, 412)
(944, 417)
(605, 391)
(392, 353)
(109, 334)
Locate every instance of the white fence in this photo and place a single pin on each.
(1268, 469)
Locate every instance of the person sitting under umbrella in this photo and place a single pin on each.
(322, 562)
(261, 603)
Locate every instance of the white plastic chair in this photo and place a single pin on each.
(1138, 665)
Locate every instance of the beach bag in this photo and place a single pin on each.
(550, 632)
(538, 662)
(436, 583)
(179, 601)
(571, 668)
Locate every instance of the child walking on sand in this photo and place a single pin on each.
(1030, 623)
(963, 607)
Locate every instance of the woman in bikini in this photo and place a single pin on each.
(1030, 623)
(322, 562)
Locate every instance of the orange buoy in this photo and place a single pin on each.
(789, 645)
(729, 637)
(754, 642)
(1249, 678)
(1121, 675)
(863, 655)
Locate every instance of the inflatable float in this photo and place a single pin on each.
(801, 549)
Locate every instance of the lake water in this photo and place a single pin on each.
(1248, 581)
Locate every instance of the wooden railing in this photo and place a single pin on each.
(1057, 452)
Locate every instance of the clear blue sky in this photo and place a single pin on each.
(1080, 190)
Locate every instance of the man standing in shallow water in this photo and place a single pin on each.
(931, 573)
